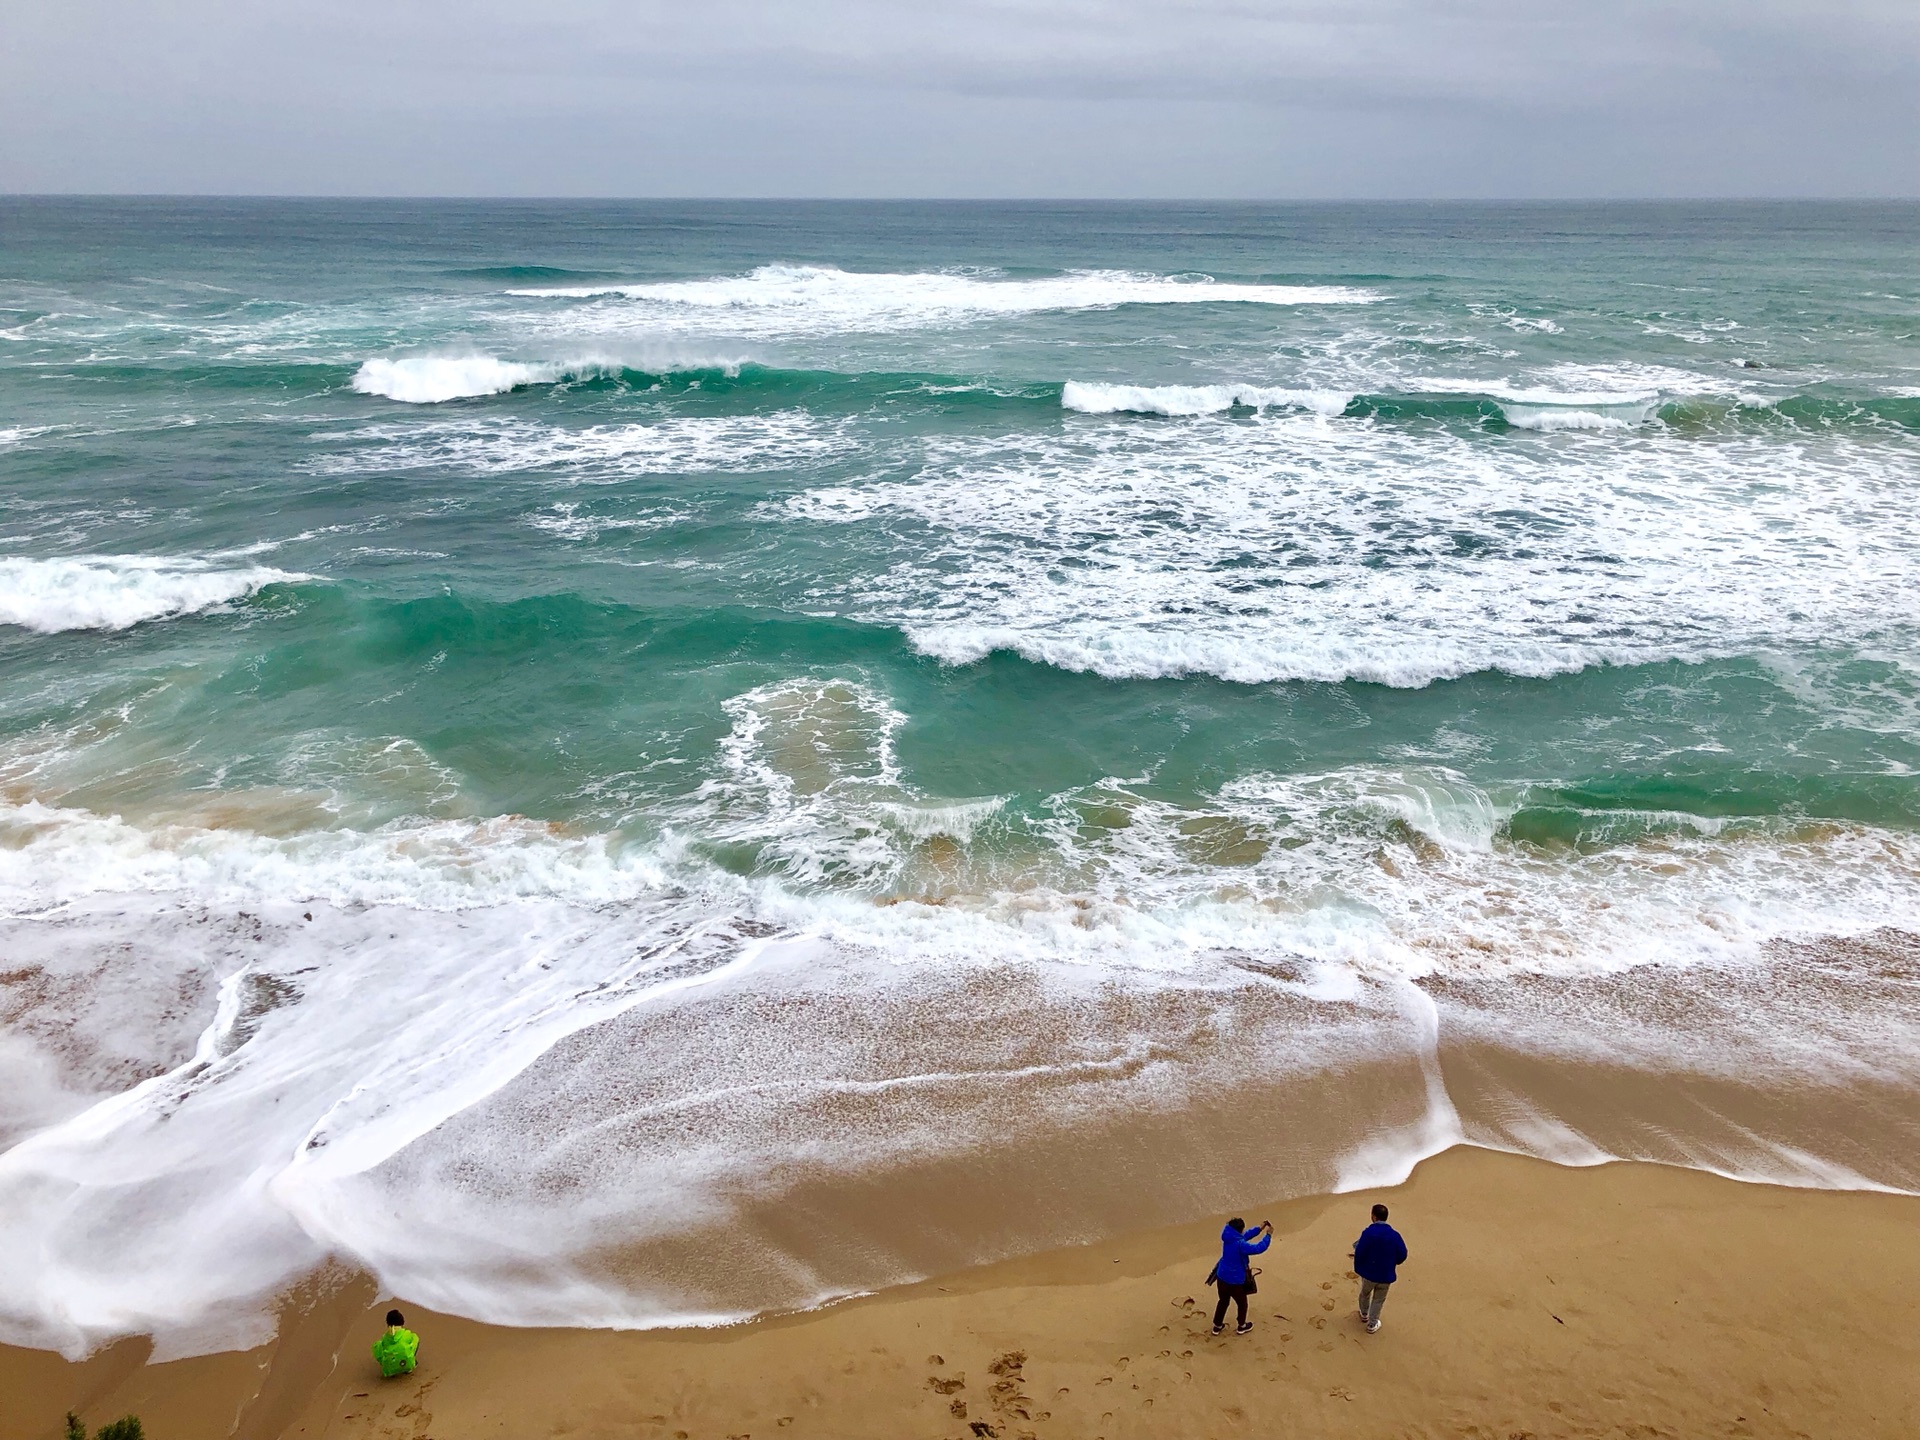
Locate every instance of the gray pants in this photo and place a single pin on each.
(1373, 1294)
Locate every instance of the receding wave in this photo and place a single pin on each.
(1277, 931)
(115, 592)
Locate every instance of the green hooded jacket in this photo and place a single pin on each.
(395, 1351)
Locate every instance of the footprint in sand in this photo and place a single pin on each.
(1005, 1394)
(958, 1409)
(946, 1387)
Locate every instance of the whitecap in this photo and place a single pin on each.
(1099, 399)
(114, 592)
(1571, 417)
(431, 379)
(817, 299)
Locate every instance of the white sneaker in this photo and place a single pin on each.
(1373, 1327)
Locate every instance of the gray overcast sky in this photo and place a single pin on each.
(1227, 98)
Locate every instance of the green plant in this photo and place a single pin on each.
(127, 1427)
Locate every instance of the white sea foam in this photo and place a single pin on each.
(568, 520)
(1291, 548)
(1576, 397)
(817, 300)
(500, 445)
(1096, 399)
(113, 592)
(431, 379)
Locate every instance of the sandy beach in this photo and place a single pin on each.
(1618, 1300)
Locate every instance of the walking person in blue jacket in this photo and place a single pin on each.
(1376, 1255)
(1232, 1274)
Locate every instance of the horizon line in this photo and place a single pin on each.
(1912, 199)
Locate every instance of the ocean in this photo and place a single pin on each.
(639, 763)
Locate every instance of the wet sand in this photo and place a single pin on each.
(1618, 1300)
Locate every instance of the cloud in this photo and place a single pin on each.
(475, 91)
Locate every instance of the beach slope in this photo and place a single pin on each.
(1621, 1300)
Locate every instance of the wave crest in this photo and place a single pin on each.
(431, 379)
(1094, 399)
(820, 299)
(116, 592)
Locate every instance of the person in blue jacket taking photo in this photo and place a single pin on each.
(1233, 1275)
(1377, 1256)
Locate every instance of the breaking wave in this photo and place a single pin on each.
(432, 379)
(114, 592)
(1092, 399)
(817, 299)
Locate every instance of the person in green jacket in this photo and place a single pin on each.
(394, 1351)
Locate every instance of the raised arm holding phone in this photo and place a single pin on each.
(1232, 1274)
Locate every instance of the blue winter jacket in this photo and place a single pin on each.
(1378, 1250)
(1234, 1250)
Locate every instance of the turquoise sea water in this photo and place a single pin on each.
(593, 607)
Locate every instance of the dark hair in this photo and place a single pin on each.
(1379, 1212)
(1236, 1223)
(394, 1317)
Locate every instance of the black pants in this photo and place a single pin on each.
(1235, 1293)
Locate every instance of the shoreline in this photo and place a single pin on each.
(1540, 1300)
